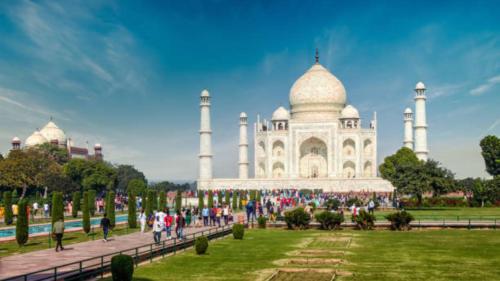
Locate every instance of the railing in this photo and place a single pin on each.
(98, 266)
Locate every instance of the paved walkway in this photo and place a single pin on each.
(39, 260)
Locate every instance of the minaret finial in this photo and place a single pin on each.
(317, 56)
(51, 119)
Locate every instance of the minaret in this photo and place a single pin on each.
(243, 161)
(420, 122)
(205, 137)
(408, 121)
(16, 143)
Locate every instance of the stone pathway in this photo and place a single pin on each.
(39, 260)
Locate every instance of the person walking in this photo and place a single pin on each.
(142, 220)
(213, 211)
(105, 225)
(188, 217)
(371, 207)
(157, 230)
(225, 213)
(58, 230)
(168, 224)
(218, 215)
(205, 212)
(180, 222)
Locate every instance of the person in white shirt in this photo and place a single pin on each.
(46, 209)
(142, 220)
(225, 213)
(162, 216)
(157, 230)
(35, 209)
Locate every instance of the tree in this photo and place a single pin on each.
(210, 199)
(235, 200)
(240, 202)
(86, 212)
(57, 207)
(110, 209)
(490, 150)
(163, 200)
(219, 197)
(441, 180)
(137, 186)
(91, 202)
(178, 201)
(403, 157)
(91, 174)
(258, 197)
(201, 205)
(132, 213)
(76, 203)
(127, 173)
(170, 186)
(57, 153)
(150, 202)
(7, 202)
(227, 198)
(22, 233)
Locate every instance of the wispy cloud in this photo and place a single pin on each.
(486, 86)
(493, 125)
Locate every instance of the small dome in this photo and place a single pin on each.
(15, 140)
(420, 86)
(280, 114)
(408, 110)
(317, 94)
(243, 115)
(350, 112)
(35, 139)
(97, 145)
(52, 132)
(205, 93)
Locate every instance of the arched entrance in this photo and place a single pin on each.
(313, 159)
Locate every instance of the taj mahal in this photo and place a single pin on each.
(320, 143)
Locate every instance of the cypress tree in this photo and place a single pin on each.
(22, 223)
(219, 197)
(132, 213)
(76, 203)
(149, 202)
(92, 194)
(86, 212)
(111, 208)
(163, 201)
(7, 202)
(201, 194)
(258, 197)
(178, 200)
(227, 199)
(235, 200)
(57, 207)
(210, 199)
(252, 194)
(15, 197)
(240, 206)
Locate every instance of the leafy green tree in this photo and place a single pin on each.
(162, 200)
(227, 198)
(76, 203)
(210, 199)
(201, 204)
(110, 209)
(127, 173)
(170, 186)
(235, 200)
(91, 202)
(150, 202)
(57, 153)
(258, 196)
(242, 197)
(91, 174)
(219, 197)
(403, 157)
(132, 213)
(490, 150)
(86, 212)
(22, 223)
(57, 211)
(178, 200)
(7, 203)
(137, 186)
(252, 195)
(441, 180)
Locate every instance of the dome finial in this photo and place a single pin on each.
(317, 56)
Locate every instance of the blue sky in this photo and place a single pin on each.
(128, 74)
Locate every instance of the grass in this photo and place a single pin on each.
(449, 213)
(370, 255)
(42, 242)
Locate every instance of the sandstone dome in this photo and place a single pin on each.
(317, 95)
(280, 114)
(51, 132)
(35, 139)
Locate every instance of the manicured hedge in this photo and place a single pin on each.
(297, 218)
(86, 212)
(210, 199)
(261, 221)
(110, 210)
(22, 223)
(201, 245)
(91, 203)
(132, 212)
(178, 201)
(201, 204)
(329, 220)
(400, 220)
(76, 203)
(57, 207)
(163, 201)
(364, 220)
(238, 231)
(7, 201)
(122, 268)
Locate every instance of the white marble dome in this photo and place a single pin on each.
(317, 95)
(52, 132)
(16, 139)
(420, 86)
(408, 110)
(280, 114)
(35, 139)
(205, 93)
(350, 112)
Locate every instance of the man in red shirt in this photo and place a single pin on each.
(168, 224)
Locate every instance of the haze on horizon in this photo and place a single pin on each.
(128, 75)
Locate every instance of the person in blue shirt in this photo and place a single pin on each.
(205, 213)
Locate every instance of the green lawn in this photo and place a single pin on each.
(447, 214)
(370, 255)
(42, 242)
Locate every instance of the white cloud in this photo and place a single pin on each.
(486, 86)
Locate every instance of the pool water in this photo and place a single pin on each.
(45, 228)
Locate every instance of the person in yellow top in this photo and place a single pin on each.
(14, 209)
(218, 215)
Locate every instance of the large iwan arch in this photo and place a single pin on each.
(313, 161)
